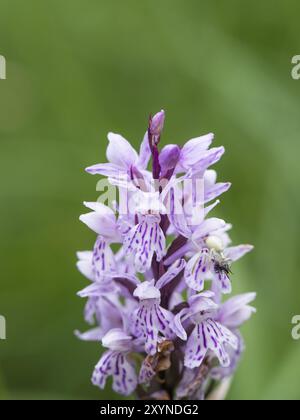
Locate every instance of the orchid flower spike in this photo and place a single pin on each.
(160, 270)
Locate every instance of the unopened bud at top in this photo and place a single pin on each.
(157, 123)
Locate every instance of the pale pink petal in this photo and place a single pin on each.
(236, 252)
(193, 149)
(120, 152)
(208, 227)
(145, 153)
(105, 169)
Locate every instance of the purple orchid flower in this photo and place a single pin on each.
(102, 299)
(159, 270)
(207, 334)
(102, 221)
(233, 314)
(196, 156)
(212, 188)
(236, 310)
(122, 157)
(144, 240)
(212, 259)
(116, 363)
(150, 321)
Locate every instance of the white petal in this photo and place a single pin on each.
(145, 153)
(147, 290)
(94, 334)
(85, 255)
(101, 209)
(210, 178)
(197, 269)
(120, 152)
(105, 169)
(216, 190)
(97, 289)
(177, 324)
(172, 272)
(117, 340)
(85, 267)
(235, 311)
(208, 227)
(193, 148)
(236, 252)
(100, 224)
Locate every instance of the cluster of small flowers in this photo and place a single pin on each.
(159, 271)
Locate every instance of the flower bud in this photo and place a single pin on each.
(157, 123)
(169, 157)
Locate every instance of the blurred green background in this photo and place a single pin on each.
(78, 69)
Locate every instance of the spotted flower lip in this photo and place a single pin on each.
(160, 270)
(151, 321)
(208, 335)
(145, 240)
(115, 362)
(208, 265)
(200, 305)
